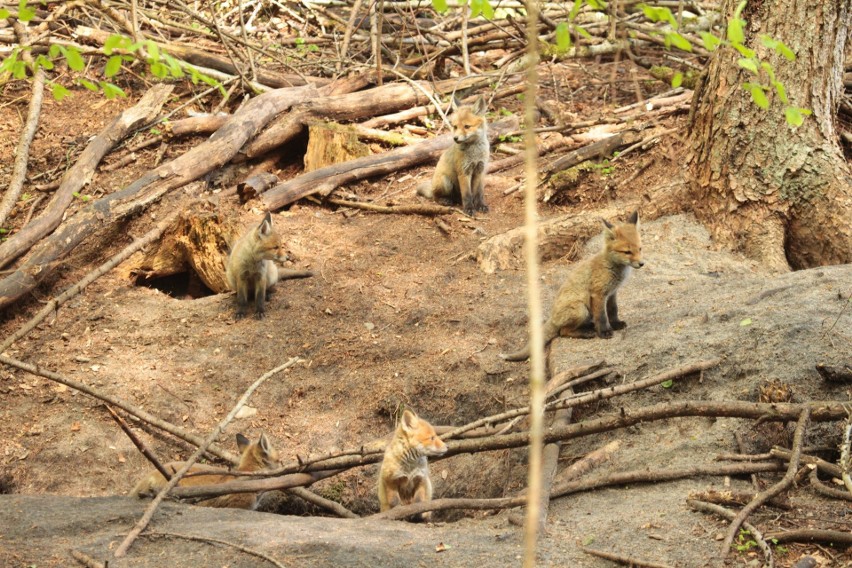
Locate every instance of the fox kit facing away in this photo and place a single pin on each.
(404, 475)
(250, 268)
(588, 295)
(256, 456)
(460, 174)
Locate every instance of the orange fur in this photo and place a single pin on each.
(250, 269)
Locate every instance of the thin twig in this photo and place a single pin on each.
(140, 445)
(399, 209)
(730, 515)
(811, 535)
(149, 512)
(774, 490)
(233, 545)
(319, 501)
(622, 559)
(824, 489)
(86, 560)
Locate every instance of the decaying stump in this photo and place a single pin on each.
(198, 243)
(330, 143)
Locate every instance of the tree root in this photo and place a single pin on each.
(209, 540)
(621, 559)
(731, 516)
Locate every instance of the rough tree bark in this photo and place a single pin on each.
(780, 195)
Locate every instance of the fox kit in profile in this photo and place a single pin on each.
(256, 456)
(460, 174)
(250, 269)
(588, 295)
(404, 475)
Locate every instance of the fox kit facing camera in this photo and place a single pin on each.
(255, 456)
(588, 295)
(404, 475)
(250, 269)
(460, 173)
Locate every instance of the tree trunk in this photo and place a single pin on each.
(778, 194)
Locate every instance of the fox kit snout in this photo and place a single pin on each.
(254, 456)
(460, 173)
(586, 305)
(404, 475)
(250, 269)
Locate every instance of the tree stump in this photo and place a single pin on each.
(330, 143)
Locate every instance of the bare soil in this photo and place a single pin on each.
(398, 313)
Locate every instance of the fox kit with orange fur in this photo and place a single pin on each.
(256, 456)
(588, 295)
(250, 269)
(404, 475)
(460, 173)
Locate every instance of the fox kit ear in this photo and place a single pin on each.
(264, 444)
(455, 103)
(634, 218)
(266, 225)
(409, 420)
(480, 105)
(242, 442)
(608, 230)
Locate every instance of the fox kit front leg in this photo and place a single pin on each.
(612, 313)
(477, 187)
(423, 493)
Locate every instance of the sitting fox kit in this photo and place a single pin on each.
(250, 269)
(460, 173)
(404, 475)
(255, 456)
(588, 296)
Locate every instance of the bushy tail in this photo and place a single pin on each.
(550, 332)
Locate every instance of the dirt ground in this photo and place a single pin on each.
(399, 313)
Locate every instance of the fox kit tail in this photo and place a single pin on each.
(550, 333)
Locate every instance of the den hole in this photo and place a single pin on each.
(182, 285)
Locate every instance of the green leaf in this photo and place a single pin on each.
(759, 97)
(113, 66)
(43, 62)
(563, 37)
(174, 66)
(158, 70)
(677, 80)
(785, 51)
(113, 42)
(735, 30)
(679, 41)
(583, 32)
(112, 91)
(740, 7)
(575, 9)
(4, 13)
(782, 92)
(153, 50)
(596, 4)
(768, 41)
(667, 384)
(74, 59)
(59, 92)
(25, 13)
(744, 51)
(769, 70)
(440, 6)
(796, 116)
(748, 65)
(54, 50)
(745, 322)
(19, 70)
(88, 84)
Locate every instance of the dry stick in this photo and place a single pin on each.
(786, 481)
(75, 289)
(22, 152)
(129, 408)
(740, 498)
(81, 172)
(537, 362)
(621, 559)
(594, 396)
(824, 489)
(845, 452)
(233, 545)
(149, 512)
(625, 478)
(811, 535)
(347, 34)
(86, 560)
(399, 209)
(698, 505)
(326, 504)
(140, 445)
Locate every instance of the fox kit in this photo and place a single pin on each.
(256, 456)
(588, 295)
(460, 174)
(250, 269)
(404, 475)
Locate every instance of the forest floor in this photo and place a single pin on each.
(400, 313)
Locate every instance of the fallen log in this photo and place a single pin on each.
(213, 153)
(81, 172)
(326, 179)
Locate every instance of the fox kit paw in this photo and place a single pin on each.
(605, 334)
(618, 324)
(260, 315)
